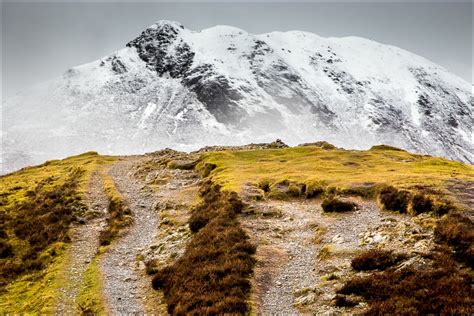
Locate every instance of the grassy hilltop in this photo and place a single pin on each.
(316, 169)
(335, 167)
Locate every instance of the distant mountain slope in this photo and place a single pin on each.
(184, 89)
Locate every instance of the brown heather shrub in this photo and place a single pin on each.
(214, 203)
(151, 267)
(421, 203)
(457, 231)
(6, 250)
(333, 204)
(264, 185)
(344, 301)
(364, 190)
(443, 207)
(376, 259)
(443, 287)
(212, 276)
(393, 199)
(40, 220)
(438, 289)
(314, 191)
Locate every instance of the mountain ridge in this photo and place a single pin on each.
(172, 87)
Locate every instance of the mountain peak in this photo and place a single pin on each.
(224, 29)
(181, 88)
(166, 24)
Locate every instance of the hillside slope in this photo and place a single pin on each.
(173, 87)
(261, 228)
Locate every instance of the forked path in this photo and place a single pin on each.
(300, 246)
(84, 247)
(125, 283)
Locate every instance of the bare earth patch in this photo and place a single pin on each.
(304, 254)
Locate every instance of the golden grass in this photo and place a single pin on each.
(90, 298)
(36, 292)
(14, 186)
(332, 168)
(120, 216)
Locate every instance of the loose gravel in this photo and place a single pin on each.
(126, 286)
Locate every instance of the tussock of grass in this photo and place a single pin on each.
(403, 201)
(212, 276)
(322, 144)
(284, 189)
(119, 214)
(182, 164)
(365, 190)
(204, 169)
(314, 190)
(394, 200)
(325, 252)
(457, 231)
(385, 147)
(376, 259)
(333, 204)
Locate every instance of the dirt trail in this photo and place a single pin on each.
(285, 255)
(84, 247)
(126, 287)
(300, 246)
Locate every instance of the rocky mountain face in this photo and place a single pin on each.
(173, 87)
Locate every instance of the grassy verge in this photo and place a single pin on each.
(37, 206)
(90, 298)
(212, 276)
(118, 211)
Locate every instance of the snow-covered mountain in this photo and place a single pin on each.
(173, 87)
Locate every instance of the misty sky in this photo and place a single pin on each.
(41, 40)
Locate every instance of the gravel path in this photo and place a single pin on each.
(297, 235)
(125, 283)
(285, 254)
(84, 246)
(290, 236)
